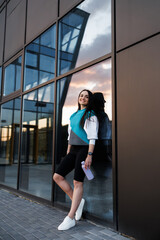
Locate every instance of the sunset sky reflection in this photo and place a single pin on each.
(97, 79)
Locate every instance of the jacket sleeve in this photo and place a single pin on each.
(91, 128)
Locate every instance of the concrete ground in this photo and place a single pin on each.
(23, 219)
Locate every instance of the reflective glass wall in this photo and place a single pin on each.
(98, 192)
(9, 134)
(79, 41)
(84, 34)
(37, 144)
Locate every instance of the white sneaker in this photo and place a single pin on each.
(80, 210)
(67, 224)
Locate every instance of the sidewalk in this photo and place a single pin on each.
(23, 219)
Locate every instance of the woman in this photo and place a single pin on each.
(83, 131)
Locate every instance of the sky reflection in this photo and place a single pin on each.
(84, 34)
(97, 36)
(97, 79)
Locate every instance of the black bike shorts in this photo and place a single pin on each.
(72, 161)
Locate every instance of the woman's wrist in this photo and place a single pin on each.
(90, 153)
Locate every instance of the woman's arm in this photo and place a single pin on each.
(69, 148)
(69, 132)
(91, 127)
(88, 160)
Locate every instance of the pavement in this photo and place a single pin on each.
(23, 219)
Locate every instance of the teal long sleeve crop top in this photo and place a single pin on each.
(78, 135)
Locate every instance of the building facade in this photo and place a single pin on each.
(50, 51)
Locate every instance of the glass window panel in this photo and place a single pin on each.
(87, 32)
(98, 192)
(75, 33)
(18, 78)
(46, 64)
(64, 65)
(12, 77)
(73, 19)
(66, 37)
(64, 47)
(47, 52)
(31, 74)
(9, 135)
(9, 74)
(37, 144)
(40, 55)
(72, 45)
(44, 77)
(48, 38)
(33, 47)
(31, 59)
(36, 41)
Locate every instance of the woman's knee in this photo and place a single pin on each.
(57, 177)
(77, 184)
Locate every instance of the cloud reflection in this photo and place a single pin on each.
(85, 34)
(97, 79)
(97, 36)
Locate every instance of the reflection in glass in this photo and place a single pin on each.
(84, 34)
(9, 133)
(40, 59)
(98, 192)
(36, 148)
(12, 76)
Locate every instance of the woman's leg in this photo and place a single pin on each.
(63, 184)
(76, 198)
(65, 167)
(78, 181)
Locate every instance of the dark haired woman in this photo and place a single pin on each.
(83, 131)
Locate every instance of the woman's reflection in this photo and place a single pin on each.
(103, 150)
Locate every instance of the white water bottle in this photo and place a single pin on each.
(87, 172)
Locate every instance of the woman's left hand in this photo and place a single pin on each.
(88, 161)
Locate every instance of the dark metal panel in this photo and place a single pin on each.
(41, 14)
(136, 20)
(2, 25)
(114, 119)
(66, 5)
(138, 98)
(1, 2)
(12, 5)
(15, 28)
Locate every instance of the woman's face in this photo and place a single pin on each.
(83, 99)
